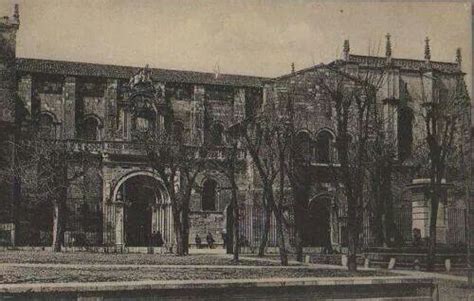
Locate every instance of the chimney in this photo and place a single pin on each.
(293, 67)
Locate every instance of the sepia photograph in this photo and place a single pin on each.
(236, 150)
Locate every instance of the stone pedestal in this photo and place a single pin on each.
(421, 211)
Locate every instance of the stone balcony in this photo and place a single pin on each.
(138, 149)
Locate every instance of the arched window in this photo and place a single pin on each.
(303, 145)
(178, 131)
(209, 195)
(143, 115)
(217, 134)
(323, 147)
(46, 126)
(405, 132)
(90, 129)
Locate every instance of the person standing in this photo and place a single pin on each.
(224, 239)
(197, 239)
(210, 240)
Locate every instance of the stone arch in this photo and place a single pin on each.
(304, 144)
(132, 174)
(47, 122)
(91, 123)
(49, 114)
(209, 195)
(160, 218)
(217, 137)
(321, 221)
(179, 131)
(324, 145)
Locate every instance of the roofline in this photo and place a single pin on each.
(134, 69)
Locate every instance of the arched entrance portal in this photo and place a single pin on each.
(146, 210)
(318, 223)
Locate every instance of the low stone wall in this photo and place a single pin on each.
(235, 289)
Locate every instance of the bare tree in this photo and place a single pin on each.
(264, 140)
(45, 168)
(444, 110)
(354, 98)
(229, 166)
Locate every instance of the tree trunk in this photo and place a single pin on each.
(433, 219)
(281, 237)
(266, 230)
(235, 220)
(178, 233)
(353, 237)
(300, 198)
(58, 230)
(386, 194)
(185, 230)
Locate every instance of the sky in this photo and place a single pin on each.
(254, 37)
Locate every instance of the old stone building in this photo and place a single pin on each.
(122, 201)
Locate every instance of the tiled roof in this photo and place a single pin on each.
(125, 72)
(377, 61)
(406, 64)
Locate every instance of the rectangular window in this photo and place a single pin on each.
(92, 88)
(50, 85)
(180, 91)
(221, 93)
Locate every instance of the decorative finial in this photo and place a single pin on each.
(427, 50)
(16, 13)
(346, 50)
(458, 57)
(293, 67)
(388, 46)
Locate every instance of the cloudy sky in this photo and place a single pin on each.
(255, 37)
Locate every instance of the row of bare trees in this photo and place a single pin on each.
(363, 146)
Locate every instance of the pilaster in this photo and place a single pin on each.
(111, 108)
(25, 91)
(69, 110)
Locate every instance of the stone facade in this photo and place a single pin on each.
(88, 105)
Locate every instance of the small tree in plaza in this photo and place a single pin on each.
(354, 98)
(444, 110)
(229, 167)
(264, 139)
(44, 170)
(167, 152)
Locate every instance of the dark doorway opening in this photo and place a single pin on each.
(317, 225)
(139, 194)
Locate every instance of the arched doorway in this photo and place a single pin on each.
(318, 223)
(209, 195)
(146, 209)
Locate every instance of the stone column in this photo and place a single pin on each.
(197, 115)
(25, 91)
(110, 97)
(119, 235)
(239, 105)
(69, 109)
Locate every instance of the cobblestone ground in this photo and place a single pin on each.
(15, 274)
(101, 258)
(454, 290)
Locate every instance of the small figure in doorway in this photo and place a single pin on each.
(224, 239)
(210, 240)
(159, 239)
(197, 239)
